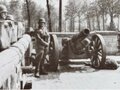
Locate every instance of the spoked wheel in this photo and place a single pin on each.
(53, 53)
(98, 51)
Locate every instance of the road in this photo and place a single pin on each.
(78, 77)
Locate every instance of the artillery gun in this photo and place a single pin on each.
(83, 45)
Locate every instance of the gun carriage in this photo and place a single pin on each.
(85, 45)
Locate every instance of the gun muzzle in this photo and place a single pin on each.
(84, 32)
(81, 35)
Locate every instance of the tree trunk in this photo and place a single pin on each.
(60, 15)
(103, 17)
(28, 11)
(49, 17)
(93, 23)
(98, 22)
(79, 27)
(88, 22)
(65, 25)
(73, 24)
(112, 26)
(118, 22)
(70, 25)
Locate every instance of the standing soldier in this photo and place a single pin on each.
(13, 29)
(4, 37)
(42, 42)
(3, 12)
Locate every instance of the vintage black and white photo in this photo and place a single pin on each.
(59, 44)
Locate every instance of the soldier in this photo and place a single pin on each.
(42, 42)
(4, 37)
(12, 30)
(110, 64)
(3, 12)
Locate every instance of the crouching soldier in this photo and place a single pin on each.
(42, 42)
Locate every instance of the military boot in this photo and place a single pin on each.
(36, 74)
(42, 72)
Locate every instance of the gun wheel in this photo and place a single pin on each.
(98, 51)
(53, 52)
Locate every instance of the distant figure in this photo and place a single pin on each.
(3, 12)
(110, 64)
(42, 42)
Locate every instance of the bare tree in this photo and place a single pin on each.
(28, 11)
(109, 7)
(60, 15)
(81, 9)
(118, 15)
(15, 8)
(88, 16)
(32, 12)
(95, 14)
(103, 11)
(71, 11)
(54, 18)
(113, 6)
(49, 16)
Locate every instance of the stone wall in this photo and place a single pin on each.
(110, 37)
(111, 41)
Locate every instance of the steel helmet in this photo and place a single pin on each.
(10, 17)
(41, 20)
(3, 8)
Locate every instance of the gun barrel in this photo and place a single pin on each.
(82, 35)
(85, 32)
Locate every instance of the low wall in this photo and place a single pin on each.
(111, 41)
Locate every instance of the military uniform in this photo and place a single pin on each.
(13, 29)
(4, 34)
(41, 43)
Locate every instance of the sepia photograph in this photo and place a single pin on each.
(59, 44)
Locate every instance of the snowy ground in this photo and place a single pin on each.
(78, 77)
